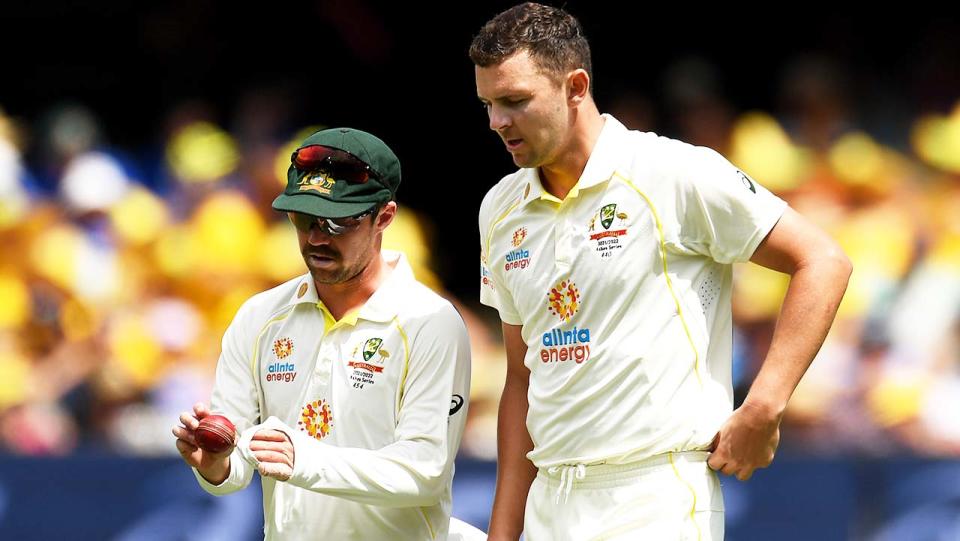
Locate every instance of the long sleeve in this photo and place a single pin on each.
(235, 395)
(416, 469)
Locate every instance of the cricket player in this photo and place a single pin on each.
(349, 384)
(608, 256)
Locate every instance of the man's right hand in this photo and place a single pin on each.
(214, 467)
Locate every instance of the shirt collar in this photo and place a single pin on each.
(385, 302)
(601, 164)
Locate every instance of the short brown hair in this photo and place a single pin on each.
(553, 37)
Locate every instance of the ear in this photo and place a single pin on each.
(578, 86)
(386, 216)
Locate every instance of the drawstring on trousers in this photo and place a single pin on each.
(568, 473)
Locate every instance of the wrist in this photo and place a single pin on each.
(216, 473)
(765, 407)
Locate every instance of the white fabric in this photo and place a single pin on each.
(382, 467)
(623, 291)
(670, 497)
(461, 531)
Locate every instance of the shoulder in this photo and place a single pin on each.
(267, 304)
(425, 309)
(502, 197)
(663, 163)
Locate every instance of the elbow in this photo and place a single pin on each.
(433, 487)
(842, 265)
(834, 271)
(428, 492)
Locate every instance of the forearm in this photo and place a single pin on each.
(515, 472)
(232, 475)
(410, 473)
(808, 311)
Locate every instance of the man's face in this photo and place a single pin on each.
(334, 259)
(527, 109)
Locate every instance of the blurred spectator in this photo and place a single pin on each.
(115, 294)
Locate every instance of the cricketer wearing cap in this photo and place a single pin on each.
(608, 257)
(349, 384)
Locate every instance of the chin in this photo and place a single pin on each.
(524, 161)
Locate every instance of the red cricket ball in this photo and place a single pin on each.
(215, 434)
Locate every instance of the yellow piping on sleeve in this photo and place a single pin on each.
(493, 225)
(256, 347)
(693, 493)
(433, 535)
(666, 274)
(406, 363)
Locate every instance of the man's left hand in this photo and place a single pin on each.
(747, 441)
(274, 453)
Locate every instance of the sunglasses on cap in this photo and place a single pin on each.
(340, 164)
(329, 226)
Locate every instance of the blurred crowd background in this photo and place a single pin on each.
(137, 167)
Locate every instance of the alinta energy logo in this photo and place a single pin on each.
(565, 344)
(518, 236)
(608, 239)
(519, 258)
(316, 419)
(282, 371)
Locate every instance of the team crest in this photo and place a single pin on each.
(316, 419)
(518, 236)
(564, 300)
(370, 347)
(282, 347)
(607, 213)
(317, 181)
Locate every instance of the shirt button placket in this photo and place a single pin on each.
(321, 373)
(563, 237)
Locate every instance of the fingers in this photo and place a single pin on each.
(274, 453)
(201, 410)
(280, 472)
(185, 447)
(270, 435)
(184, 435)
(188, 420)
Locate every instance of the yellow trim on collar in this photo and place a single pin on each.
(330, 323)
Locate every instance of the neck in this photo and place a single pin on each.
(562, 174)
(350, 295)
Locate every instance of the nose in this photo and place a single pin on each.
(318, 236)
(499, 120)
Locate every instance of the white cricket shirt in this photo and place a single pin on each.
(382, 395)
(623, 291)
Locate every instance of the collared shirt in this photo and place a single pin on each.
(381, 394)
(623, 291)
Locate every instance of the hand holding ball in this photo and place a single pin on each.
(216, 434)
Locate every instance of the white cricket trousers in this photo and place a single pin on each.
(669, 497)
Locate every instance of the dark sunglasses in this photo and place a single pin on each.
(341, 165)
(329, 226)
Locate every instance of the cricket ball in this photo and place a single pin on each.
(215, 434)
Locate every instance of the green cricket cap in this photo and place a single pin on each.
(319, 193)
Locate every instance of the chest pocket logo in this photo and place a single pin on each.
(371, 346)
(607, 241)
(374, 358)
